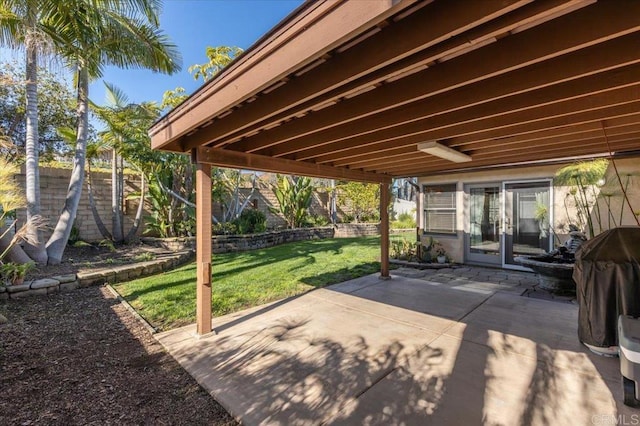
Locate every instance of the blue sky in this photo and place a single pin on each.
(193, 25)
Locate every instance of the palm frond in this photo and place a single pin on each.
(115, 96)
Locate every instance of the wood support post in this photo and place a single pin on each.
(203, 248)
(384, 230)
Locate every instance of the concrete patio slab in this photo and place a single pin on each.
(404, 351)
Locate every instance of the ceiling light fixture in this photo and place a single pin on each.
(442, 151)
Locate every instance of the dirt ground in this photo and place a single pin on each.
(95, 256)
(81, 358)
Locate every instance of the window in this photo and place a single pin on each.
(440, 208)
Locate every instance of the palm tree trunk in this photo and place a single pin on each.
(94, 210)
(58, 241)
(116, 225)
(36, 251)
(121, 184)
(138, 219)
(15, 253)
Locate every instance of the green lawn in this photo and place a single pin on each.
(251, 278)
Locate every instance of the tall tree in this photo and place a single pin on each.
(362, 198)
(126, 134)
(21, 25)
(91, 34)
(219, 57)
(56, 102)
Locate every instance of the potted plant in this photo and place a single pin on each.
(14, 273)
(440, 252)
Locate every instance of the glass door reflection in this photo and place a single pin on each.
(527, 217)
(483, 241)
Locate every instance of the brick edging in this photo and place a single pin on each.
(83, 279)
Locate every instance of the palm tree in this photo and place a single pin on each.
(91, 34)
(126, 135)
(21, 26)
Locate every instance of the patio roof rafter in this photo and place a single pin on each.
(570, 76)
(407, 154)
(536, 46)
(371, 62)
(595, 107)
(521, 151)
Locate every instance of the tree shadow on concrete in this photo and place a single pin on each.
(283, 375)
(288, 372)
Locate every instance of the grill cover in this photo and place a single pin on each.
(607, 276)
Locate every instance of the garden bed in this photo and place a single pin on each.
(82, 358)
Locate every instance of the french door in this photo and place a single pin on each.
(483, 238)
(527, 217)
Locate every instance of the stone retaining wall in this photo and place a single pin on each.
(233, 243)
(349, 230)
(111, 275)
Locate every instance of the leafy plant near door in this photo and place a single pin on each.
(439, 252)
(589, 186)
(582, 179)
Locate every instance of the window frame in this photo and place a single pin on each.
(451, 187)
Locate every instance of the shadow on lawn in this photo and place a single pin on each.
(344, 274)
(158, 287)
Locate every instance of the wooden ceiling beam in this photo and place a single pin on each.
(615, 125)
(505, 151)
(239, 160)
(525, 155)
(591, 25)
(460, 123)
(505, 145)
(576, 74)
(385, 53)
(304, 38)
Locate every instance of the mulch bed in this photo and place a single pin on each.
(82, 358)
(94, 256)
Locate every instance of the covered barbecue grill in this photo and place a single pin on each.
(607, 276)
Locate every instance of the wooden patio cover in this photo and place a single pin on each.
(349, 89)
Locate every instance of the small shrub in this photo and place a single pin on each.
(142, 257)
(404, 221)
(316, 220)
(348, 218)
(373, 217)
(108, 244)
(251, 221)
(74, 236)
(402, 249)
(14, 273)
(225, 228)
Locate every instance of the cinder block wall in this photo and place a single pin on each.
(54, 183)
